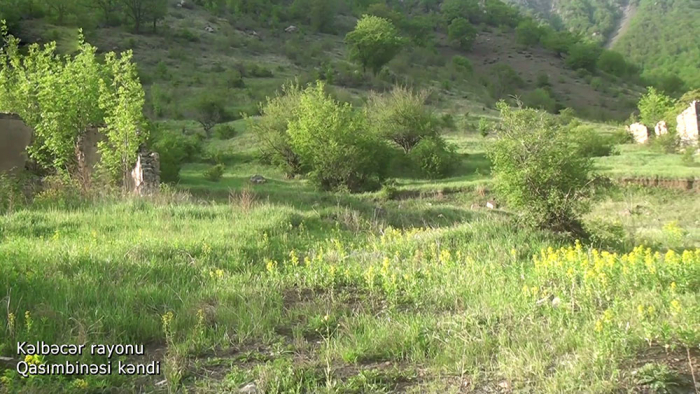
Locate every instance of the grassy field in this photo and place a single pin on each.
(292, 290)
(281, 288)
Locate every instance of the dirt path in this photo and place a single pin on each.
(624, 24)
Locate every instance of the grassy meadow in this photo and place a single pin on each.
(287, 289)
(278, 287)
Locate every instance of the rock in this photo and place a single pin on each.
(249, 388)
(661, 128)
(556, 302)
(209, 29)
(640, 133)
(689, 124)
(491, 205)
(291, 29)
(185, 4)
(257, 179)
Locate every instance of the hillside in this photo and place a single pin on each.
(659, 36)
(663, 38)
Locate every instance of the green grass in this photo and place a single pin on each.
(641, 161)
(324, 297)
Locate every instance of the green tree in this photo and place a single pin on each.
(335, 144)
(270, 129)
(653, 107)
(59, 9)
(373, 43)
(583, 56)
(540, 171)
(612, 62)
(462, 32)
(467, 9)
(402, 117)
(122, 99)
(142, 11)
(528, 33)
(209, 111)
(62, 97)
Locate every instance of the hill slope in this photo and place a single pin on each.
(663, 38)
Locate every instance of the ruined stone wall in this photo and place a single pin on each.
(145, 177)
(688, 123)
(15, 137)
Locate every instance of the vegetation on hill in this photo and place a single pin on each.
(663, 39)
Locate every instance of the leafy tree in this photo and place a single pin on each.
(209, 111)
(540, 99)
(612, 62)
(540, 171)
(466, 9)
(62, 97)
(653, 106)
(373, 43)
(528, 33)
(557, 41)
(583, 56)
(402, 117)
(142, 11)
(10, 13)
(110, 10)
(382, 10)
(434, 157)
(335, 144)
(320, 14)
(503, 80)
(462, 32)
(271, 128)
(499, 13)
(60, 8)
(122, 99)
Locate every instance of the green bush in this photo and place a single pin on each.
(539, 170)
(174, 150)
(215, 172)
(334, 144)
(667, 143)
(484, 127)
(592, 143)
(224, 132)
(540, 99)
(270, 129)
(463, 64)
(433, 157)
(402, 117)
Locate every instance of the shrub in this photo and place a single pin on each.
(539, 170)
(667, 143)
(433, 157)
(540, 99)
(528, 33)
(373, 43)
(484, 127)
(598, 84)
(225, 132)
(462, 33)
(271, 129)
(504, 80)
(591, 143)
(401, 117)
(215, 172)
(334, 144)
(653, 107)
(463, 64)
(174, 149)
(543, 80)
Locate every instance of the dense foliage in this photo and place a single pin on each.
(540, 170)
(663, 38)
(61, 98)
